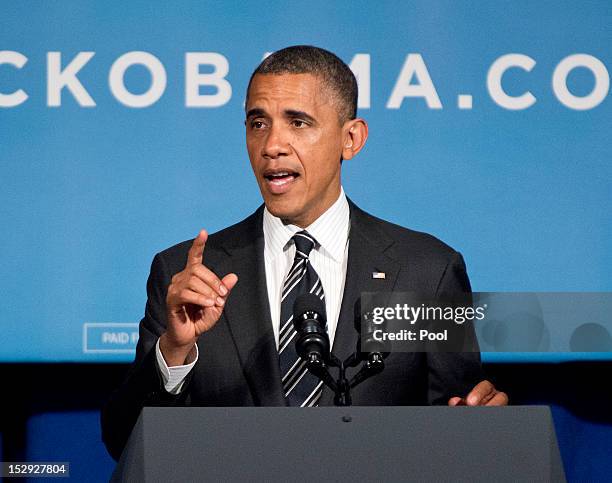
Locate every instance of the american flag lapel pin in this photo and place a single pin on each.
(379, 275)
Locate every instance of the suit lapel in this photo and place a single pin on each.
(248, 314)
(366, 255)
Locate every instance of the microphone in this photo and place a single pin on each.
(368, 348)
(312, 341)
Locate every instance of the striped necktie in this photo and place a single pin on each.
(300, 387)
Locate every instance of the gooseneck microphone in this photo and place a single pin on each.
(368, 347)
(312, 341)
(312, 345)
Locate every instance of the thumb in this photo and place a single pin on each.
(230, 281)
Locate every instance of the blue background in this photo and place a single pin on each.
(89, 195)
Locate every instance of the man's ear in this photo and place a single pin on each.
(355, 134)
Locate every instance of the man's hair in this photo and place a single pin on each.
(329, 68)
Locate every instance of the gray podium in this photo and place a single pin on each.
(342, 444)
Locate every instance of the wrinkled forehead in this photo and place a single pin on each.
(288, 91)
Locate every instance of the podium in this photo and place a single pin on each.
(342, 444)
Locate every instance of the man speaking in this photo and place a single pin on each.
(217, 327)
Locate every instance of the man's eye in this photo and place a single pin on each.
(257, 124)
(298, 123)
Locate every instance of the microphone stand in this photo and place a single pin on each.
(373, 364)
(313, 347)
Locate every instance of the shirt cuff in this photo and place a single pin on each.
(173, 377)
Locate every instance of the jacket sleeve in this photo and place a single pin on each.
(143, 384)
(454, 373)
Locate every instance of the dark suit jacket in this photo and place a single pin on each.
(238, 361)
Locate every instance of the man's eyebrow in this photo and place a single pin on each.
(256, 112)
(293, 114)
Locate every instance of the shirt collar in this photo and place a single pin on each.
(330, 230)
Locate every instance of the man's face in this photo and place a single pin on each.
(295, 142)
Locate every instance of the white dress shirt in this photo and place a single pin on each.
(328, 258)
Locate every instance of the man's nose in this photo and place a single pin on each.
(276, 143)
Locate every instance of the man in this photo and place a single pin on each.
(216, 329)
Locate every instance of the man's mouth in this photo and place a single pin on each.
(280, 180)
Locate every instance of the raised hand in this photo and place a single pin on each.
(195, 301)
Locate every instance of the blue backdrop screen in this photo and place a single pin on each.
(121, 133)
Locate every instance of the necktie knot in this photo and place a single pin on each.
(304, 243)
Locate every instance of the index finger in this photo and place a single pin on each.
(456, 401)
(482, 391)
(196, 252)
